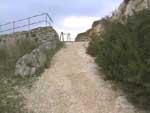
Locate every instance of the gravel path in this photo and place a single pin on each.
(73, 85)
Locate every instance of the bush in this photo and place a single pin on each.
(123, 51)
(12, 53)
(26, 45)
(94, 45)
(10, 98)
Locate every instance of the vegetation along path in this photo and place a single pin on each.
(73, 85)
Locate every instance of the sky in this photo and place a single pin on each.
(69, 16)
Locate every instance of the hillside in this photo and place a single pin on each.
(126, 8)
(122, 51)
(23, 57)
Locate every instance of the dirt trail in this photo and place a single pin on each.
(73, 85)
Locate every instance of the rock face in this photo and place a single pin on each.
(97, 28)
(127, 8)
(82, 37)
(29, 64)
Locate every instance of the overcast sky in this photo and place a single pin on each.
(72, 16)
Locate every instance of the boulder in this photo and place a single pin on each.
(30, 64)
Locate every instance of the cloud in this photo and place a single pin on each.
(69, 15)
(75, 24)
(78, 22)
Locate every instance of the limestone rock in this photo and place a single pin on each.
(126, 8)
(82, 37)
(97, 28)
(31, 63)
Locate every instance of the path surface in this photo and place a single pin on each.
(73, 85)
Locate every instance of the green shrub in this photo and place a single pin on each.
(10, 100)
(123, 52)
(26, 46)
(50, 54)
(94, 45)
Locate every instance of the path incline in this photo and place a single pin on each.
(73, 85)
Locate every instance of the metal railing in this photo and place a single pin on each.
(29, 23)
(63, 35)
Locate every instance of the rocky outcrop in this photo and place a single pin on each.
(31, 63)
(82, 37)
(46, 39)
(127, 8)
(97, 28)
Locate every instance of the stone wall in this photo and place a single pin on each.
(46, 39)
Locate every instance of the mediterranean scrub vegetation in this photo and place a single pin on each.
(122, 52)
(10, 98)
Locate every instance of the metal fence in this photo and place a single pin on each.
(41, 20)
(65, 37)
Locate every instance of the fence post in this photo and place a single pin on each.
(46, 19)
(13, 26)
(29, 24)
(0, 29)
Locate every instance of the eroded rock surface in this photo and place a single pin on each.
(30, 63)
(126, 8)
(45, 39)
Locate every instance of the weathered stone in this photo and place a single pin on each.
(126, 8)
(82, 37)
(97, 28)
(46, 39)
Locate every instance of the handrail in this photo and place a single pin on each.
(62, 38)
(47, 20)
(50, 18)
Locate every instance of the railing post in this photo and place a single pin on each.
(60, 37)
(13, 26)
(63, 37)
(0, 29)
(28, 23)
(46, 19)
(50, 19)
